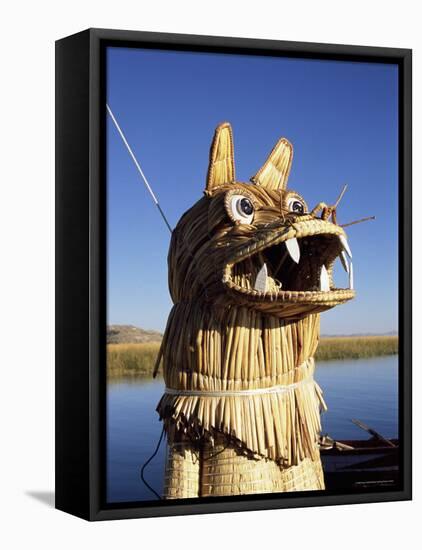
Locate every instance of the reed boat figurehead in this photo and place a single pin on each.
(258, 244)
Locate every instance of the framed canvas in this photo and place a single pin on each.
(233, 324)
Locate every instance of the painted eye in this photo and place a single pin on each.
(245, 207)
(296, 206)
(241, 208)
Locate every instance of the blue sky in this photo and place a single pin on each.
(341, 117)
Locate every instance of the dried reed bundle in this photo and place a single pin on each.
(250, 269)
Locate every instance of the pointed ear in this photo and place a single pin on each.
(221, 166)
(274, 173)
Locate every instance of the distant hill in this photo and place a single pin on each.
(129, 334)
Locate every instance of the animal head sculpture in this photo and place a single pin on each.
(257, 244)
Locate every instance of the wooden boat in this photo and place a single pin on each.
(360, 464)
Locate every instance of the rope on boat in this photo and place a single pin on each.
(145, 482)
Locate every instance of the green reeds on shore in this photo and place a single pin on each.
(356, 347)
(132, 359)
(139, 359)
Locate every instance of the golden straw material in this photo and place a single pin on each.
(275, 355)
(250, 270)
(225, 472)
(221, 167)
(182, 469)
(275, 172)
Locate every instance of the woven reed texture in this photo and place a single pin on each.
(182, 468)
(221, 469)
(226, 472)
(225, 334)
(276, 170)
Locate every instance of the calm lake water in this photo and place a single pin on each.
(366, 389)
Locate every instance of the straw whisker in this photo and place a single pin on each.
(368, 218)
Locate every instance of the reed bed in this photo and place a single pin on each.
(356, 347)
(132, 359)
(139, 359)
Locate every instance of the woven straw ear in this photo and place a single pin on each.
(221, 167)
(274, 173)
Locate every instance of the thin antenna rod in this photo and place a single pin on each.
(358, 221)
(151, 192)
(340, 196)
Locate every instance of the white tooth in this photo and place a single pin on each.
(294, 250)
(346, 246)
(351, 276)
(261, 279)
(344, 262)
(324, 281)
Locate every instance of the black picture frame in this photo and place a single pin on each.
(81, 257)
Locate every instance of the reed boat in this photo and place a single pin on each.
(360, 464)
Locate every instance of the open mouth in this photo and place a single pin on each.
(295, 266)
